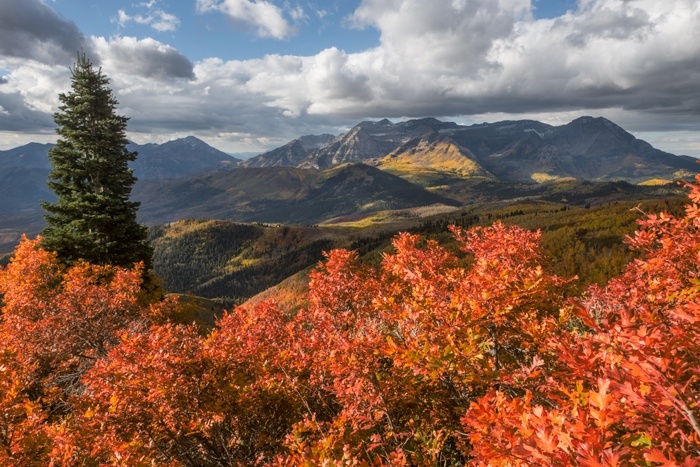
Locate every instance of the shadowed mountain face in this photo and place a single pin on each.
(587, 149)
(29, 156)
(291, 154)
(178, 158)
(280, 195)
(512, 151)
(174, 159)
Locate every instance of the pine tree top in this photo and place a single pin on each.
(93, 218)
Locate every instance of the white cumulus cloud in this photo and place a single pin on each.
(158, 20)
(266, 18)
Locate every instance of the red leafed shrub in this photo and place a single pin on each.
(56, 323)
(404, 349)
(435, 357)
(625, 388)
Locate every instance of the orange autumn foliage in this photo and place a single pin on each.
(56, 322)
(436, 357)
(626, 385)
(404, 349)
(170, 397)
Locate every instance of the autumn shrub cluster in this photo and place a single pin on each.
(436, 357)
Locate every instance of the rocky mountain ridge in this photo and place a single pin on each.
(588, 148)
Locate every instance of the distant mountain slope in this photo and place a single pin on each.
(415, 163)
(587, 149)
(174, 159)
(23, 189)
(29, 156)
(371, 140)
(21, 192)
(356, 145)
(512, 151)
(417, 159)
(23, 173)
(178, 158)
(279, 195)
(291, 154)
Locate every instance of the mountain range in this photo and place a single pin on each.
(374, 167)
(174, 159)
(587, 148)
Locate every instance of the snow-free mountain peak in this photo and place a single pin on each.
(588, 148)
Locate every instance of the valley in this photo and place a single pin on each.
(233, 263)
(231, 230)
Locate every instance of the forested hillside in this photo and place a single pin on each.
(229, 261)
(233, 262)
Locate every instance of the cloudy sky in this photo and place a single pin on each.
(249, 75)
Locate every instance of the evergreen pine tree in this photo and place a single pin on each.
(93, 218)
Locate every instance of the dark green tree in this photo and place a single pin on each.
(93, 218)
